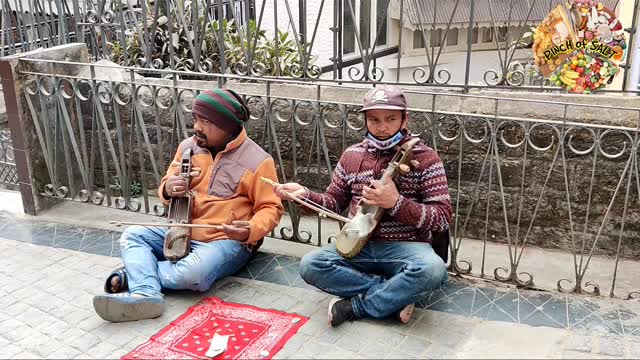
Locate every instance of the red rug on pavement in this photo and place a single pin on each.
(256, 333)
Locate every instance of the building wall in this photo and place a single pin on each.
(484, 56)
(455, 62)
(625, 15)
(323, 45)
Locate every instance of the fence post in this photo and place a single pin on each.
(221, 49)
(11, 88)
(302, 20)
(469, 35)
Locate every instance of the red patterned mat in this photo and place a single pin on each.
(256, 333)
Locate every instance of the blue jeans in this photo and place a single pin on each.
(381, 280)
(148, 272)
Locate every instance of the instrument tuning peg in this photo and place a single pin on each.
(404, 169)
(414, 164)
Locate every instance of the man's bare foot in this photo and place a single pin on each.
(115, 284)
(405, 314)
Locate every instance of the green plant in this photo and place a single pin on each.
(523, 41)
(135, 189)
(181, 39)
(115, 187)
(267, 59)
(270, 57)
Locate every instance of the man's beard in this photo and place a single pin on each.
(201, 138)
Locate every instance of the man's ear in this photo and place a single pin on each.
(405, 120)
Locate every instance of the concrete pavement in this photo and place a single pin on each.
(46, 312)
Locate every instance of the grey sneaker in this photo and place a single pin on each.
(126, 307)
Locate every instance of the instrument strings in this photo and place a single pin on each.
(309, 203)
(318, 206)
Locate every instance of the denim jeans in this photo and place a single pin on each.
(148, 272)
(381, 280)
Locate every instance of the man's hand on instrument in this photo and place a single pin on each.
(176, 185)
(238, 230)
(381, 193)
(284, 191)
(195, 171)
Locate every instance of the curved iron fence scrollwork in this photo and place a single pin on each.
(518, 181)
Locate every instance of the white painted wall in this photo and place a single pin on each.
(634, 53)
(454, 62)
(625, 14)
(49, 7)
(323, 45)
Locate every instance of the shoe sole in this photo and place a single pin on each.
(329, 315)
(114, 311)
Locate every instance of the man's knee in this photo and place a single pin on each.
(429, 270)
(312, 264)
(187, 275)
(194, 281)
(188, 282)
(131, 236)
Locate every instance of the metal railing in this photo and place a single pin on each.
(28, 25)
(8, 172)
(521, 180)
(106, 135)
(458, 44)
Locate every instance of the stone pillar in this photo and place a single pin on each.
(11, 88)
(28, 154)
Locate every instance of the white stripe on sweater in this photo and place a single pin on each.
(423, 217)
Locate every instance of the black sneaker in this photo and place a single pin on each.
(340, 310)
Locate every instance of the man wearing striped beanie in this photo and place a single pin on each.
(227, 167)
(218, 116)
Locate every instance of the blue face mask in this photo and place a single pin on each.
(387, 143)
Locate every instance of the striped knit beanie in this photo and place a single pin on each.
(223, 107)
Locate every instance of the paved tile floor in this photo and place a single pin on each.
(46, 312)
(480, 301)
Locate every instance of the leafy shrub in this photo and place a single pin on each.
(187, 44)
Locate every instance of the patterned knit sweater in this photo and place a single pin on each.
(423, 206)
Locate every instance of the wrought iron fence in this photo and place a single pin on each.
(28, 25)
(458, 44)
(546, 180)
(8, 172)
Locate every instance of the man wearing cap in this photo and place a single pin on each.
(398, 263)
(227, 190)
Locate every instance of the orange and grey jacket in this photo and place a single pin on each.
(229, 188)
